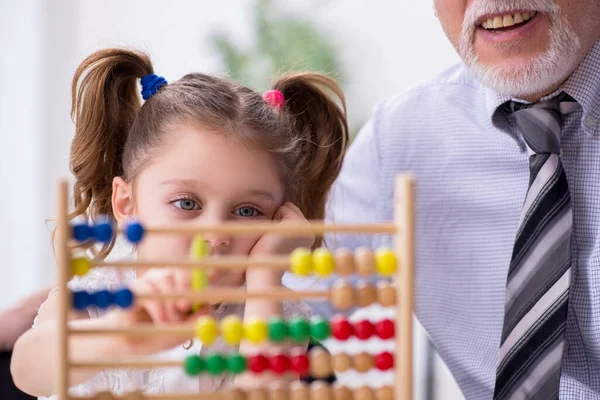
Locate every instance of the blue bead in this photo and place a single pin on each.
(103, 232)
(124, 298)
(81, 232)
(134, 232)
(81, 300)
(103, 299)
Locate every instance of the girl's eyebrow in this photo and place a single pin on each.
(193, 182)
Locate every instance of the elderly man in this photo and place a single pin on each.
(506, 151)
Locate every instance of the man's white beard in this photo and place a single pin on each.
(537, 75)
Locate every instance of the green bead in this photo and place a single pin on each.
(193, 365)
(319, 328)
(236, 363)
(299, 329)
(278, 330)
(215, 364)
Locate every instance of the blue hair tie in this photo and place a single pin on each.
(150, 84)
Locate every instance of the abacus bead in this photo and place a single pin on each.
(385, 329)
(80, 266)
(384, 361)
(258, 363)
(342, 393)
(278, 329)
(81, 300)
(341, 362)
(256, 331)
(301, 261)
(385, 262)
(193, 365)
(299, 391)
(386, 294)
(323, 262)
(278, 391)
(320, 391)
(232, 329)
(341, 329)
(342, 295)
(363, 329)
(299, 329)
(234, 394)
(319, 328)
(258, 394)
(134, 231)
(365, 261)
(320, 363)
(199, 248)
(103, 231)
(215, 364)
(365, 293)
(299, 364)
(207, 329)
(123, 298)
(279, 363)
(344, 262)
(236, 363)
(362, 362)
(385, 393)
(103, 299)
(199, 279)
(364, 393)
(81, 232)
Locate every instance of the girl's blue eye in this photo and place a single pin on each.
(186, 204)
(247, 212)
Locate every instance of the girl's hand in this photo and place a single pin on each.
(272, 243)
(158, 312)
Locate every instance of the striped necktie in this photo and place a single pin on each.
(539, 276)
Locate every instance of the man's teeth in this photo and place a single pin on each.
(503, 21)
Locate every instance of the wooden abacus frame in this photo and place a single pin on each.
(403, 229)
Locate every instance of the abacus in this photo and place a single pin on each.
(397, 263)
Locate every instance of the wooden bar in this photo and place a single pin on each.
(404, 217)
(165, 396)
(132, 364)
(237, 262)
(137, 330)
(236, 228)
(64, 265)
(236, 295)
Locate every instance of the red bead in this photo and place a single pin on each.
(280, 363)
(363, 329)
(385, 329)
(341, 328)
(258, 363)
(384, 361)
(299, 364)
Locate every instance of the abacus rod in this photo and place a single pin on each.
(279, 262)
(118, 364)
(63, 263)
(405, 246)
(317, 228)
(139, 330)
(235, 295)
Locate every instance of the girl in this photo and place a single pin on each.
(199, 150)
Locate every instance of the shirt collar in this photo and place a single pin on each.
(583, 85)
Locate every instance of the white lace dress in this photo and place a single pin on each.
(165, 380)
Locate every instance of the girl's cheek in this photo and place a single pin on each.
(164, 247)
(243, 244)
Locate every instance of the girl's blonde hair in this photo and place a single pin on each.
(115, 135)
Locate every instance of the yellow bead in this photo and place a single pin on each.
(323, 262)
(301, 261)
(199, 279)
(199, 248)
(232, 329)
(385, 262)
(207, 329)
(80, 266)
(256, 331)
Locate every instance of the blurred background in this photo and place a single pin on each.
(375, 48)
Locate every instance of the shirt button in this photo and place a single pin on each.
(589, 121)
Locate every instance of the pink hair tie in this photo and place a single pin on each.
(275, 99)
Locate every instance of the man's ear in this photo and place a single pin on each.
(122, 200)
